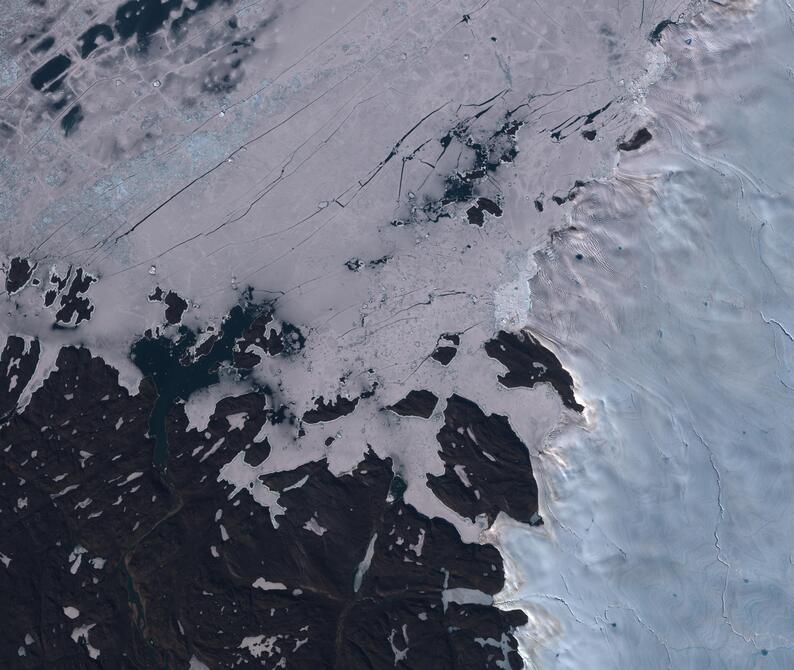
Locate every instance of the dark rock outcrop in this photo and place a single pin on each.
(416, 403)
(328, 410)
(20, 270)
(175, 307)
(528, 363)
(487, 469)
(17, 365)
(446, 348)
(640, 138)
(109, 561)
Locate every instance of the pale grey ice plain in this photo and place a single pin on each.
(663, 284)
(670, 545)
